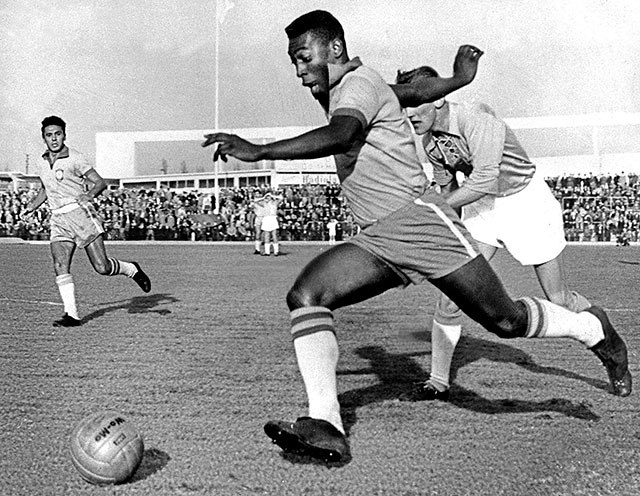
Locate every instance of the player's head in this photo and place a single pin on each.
(423, 117)
(316, 39)
(54, 132)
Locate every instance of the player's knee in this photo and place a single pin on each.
(512, 324)
(447, 312)
(300, 296)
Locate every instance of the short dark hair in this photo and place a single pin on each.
(323, 24)
(53, 120)
(411, 76)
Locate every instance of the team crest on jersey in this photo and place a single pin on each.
(59, 173)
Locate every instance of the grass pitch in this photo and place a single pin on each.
(205, 359)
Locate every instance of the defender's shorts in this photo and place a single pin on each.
(258, 222)
(269, 223)
(423, 240)
(80, 225)
(529, 223)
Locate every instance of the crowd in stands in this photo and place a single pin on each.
(595, 208)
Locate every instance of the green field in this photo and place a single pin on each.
(205, 359)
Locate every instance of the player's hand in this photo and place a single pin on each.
(230, 144)
(26, 215)
(465, 64)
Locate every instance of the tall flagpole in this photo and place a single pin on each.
(216, 188)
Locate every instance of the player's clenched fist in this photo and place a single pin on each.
(230, 144)
(465, 65)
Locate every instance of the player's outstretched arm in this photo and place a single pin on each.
(336, 137)
(465, 67)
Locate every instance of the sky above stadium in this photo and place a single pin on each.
(150, 64)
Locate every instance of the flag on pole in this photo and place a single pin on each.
(224, 6)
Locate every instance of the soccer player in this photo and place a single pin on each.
(410, 235)
(270, 224)
(64, 172)
(258, 210)
(504, 202)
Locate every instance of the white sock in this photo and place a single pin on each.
(548, 320)
(68, 294)
(257, 245)
(276, 248)
(317, 353)
(267, 248)
(444, 339)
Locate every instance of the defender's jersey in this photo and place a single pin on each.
(271, 208)
(483, 148)
(381, 172)
(63, 178)
(259, 209)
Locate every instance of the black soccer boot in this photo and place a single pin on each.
(67, 321)
(424, 391)
(612, 352)
(141, 278)
(309, 437)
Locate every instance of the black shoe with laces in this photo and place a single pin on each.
(612, 352)
(67, 321)
(142, 279)
(309, 437)
(424, 391)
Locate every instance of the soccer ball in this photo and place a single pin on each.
(106, 448)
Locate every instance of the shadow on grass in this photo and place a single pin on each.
(153, 460)
(138, 304)
(397, 373)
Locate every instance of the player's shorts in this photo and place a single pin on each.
(528, 224)
(78, 224)
(269, 223)
(423, 240)
(258, 222)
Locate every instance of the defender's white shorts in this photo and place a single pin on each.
(529, 223)
(269, 223)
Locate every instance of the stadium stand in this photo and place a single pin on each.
(603, 208)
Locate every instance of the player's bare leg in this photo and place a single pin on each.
(476, 289)
(62, 254)
(266, 241)
(108, 266)
(341, 276)
(446, 330)
(554, 285)
(258, 240)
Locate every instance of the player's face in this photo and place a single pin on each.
(422, 118)
(310, 57)
(54, 138)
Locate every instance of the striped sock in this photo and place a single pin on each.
(120, 267)
(68, 294)
(548, 320)
(316, 348)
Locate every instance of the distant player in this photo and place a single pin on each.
(505, 204)
(74, 222)
(331, 230)
(410, 235)
(270, 224)
(258, 214)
